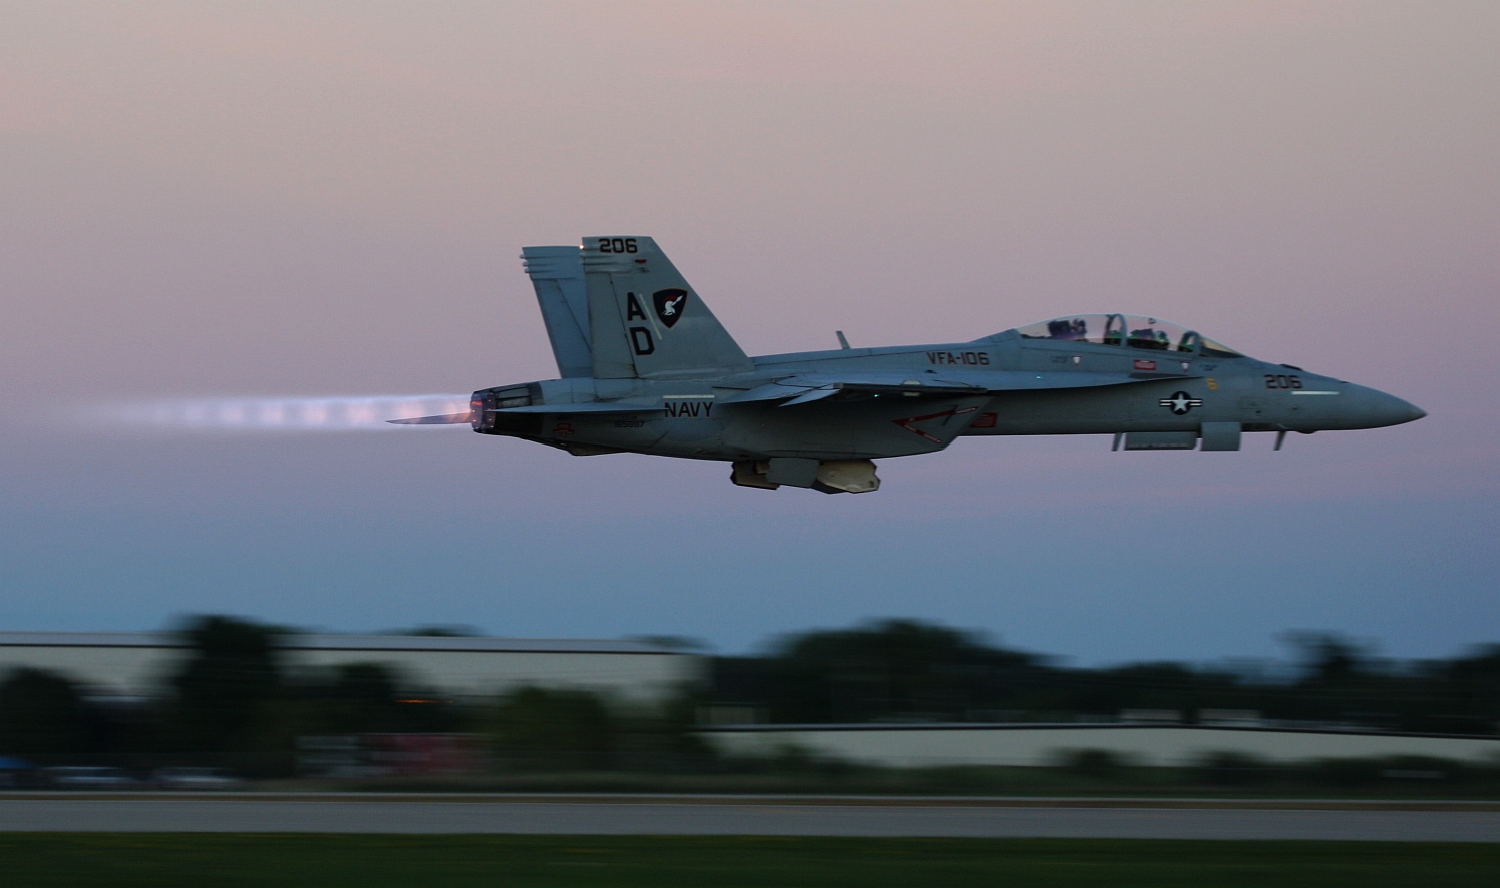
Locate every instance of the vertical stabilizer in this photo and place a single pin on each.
(645, 318)
(557, 275)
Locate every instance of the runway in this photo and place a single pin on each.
(1125, 819)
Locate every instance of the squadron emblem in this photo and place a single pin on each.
(669, 305)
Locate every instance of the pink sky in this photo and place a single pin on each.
(282, 199)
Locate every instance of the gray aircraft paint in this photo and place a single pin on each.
(557, 276)
(647, 368)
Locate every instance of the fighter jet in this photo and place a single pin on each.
(647, 368)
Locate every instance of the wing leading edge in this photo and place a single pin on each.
(804, 388)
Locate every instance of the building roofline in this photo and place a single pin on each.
(372, 643)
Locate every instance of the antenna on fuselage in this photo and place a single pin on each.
(843, 343)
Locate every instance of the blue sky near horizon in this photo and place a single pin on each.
(256, 200)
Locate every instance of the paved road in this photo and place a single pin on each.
(731, 818)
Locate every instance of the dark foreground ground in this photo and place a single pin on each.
(455, 861)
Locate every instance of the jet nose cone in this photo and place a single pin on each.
(1371, 408)
(1394, 411)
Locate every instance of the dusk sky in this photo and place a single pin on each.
(285, 200)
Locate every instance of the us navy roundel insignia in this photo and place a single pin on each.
(1181, 402)
(669, 305)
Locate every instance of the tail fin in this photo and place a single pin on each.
(645, 319)
(557, 276)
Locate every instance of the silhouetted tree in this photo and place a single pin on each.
(1474, 684)
(1327, 658)
(231, 673)
(890, 668)
(438, 632)
(554, 730)
(42, 713)
(360, 698)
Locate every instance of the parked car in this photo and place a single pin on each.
(89, 777)
(196, 778)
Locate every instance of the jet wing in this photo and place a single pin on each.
(446, 419)
(807, 387)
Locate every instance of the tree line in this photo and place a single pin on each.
(904, 670)
(233, 700)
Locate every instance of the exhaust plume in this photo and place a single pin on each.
(283, 414)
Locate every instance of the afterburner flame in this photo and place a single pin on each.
(284, 414)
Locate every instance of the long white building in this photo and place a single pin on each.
(926, 746)
(128, 664)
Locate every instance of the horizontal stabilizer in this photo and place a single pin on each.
(449, 418)
(585, 407)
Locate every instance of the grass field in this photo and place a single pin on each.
(454, 861)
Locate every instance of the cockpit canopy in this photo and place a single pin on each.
(1134, 331)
